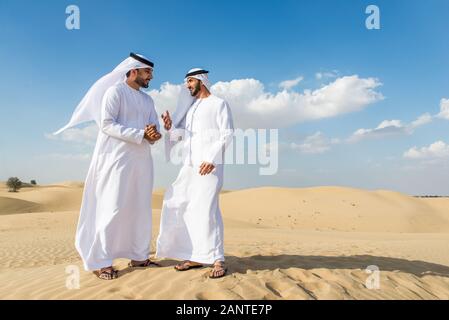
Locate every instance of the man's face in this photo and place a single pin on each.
(144, 77)
(194, 86)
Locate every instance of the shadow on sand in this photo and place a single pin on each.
(258, 262)
(360, 262)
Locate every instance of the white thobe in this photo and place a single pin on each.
(115, 217)
(191, 223)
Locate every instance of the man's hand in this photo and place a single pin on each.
(151, 133)
(206, 168)
(167, 120)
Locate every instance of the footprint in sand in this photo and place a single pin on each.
(218, 295)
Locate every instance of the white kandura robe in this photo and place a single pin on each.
(115, 217)
(191, 223)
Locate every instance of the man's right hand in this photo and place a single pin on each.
(167, 120)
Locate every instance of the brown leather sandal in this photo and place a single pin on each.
(187, 265)
(107, 273)
(146, 264)
(218, 271)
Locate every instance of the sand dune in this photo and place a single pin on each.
(280, 243)
(337, 208)
(48, 198)
(64, 196)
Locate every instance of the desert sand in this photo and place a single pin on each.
(280, 243)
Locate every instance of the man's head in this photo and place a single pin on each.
(194, 86)
(141, 77)
(197, 81)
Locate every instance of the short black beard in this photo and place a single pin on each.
(141, 82)
(196, 90)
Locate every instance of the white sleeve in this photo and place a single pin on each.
(109, 124)
(215, 154)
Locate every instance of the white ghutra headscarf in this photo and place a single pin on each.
(89, 109)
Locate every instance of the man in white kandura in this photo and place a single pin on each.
(191, 223)
(115, 217)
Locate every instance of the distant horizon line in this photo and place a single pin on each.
(61, 183)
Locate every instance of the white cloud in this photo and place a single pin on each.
(253, 107)
(324, 75)
(436, 150)
(389, 128)
(86, 135)
(444, 109)
(422, 120)
(67, 157)
(271, 147)
(166, 97)
(314, 144)
(288, 84)
(385, 128)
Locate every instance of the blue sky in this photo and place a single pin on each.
(48, 69)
